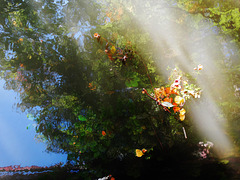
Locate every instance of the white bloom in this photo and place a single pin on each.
(200, 67)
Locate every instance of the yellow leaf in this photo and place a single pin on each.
(113, 49)
(182, 111)
(182, 117)
(178, 100)
(158, 93)
(139, 153)
(29, 57)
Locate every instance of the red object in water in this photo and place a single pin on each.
(104, 133)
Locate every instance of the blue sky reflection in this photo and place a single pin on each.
(17, 144)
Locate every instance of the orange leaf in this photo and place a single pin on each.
(174, 91)
(167, 90)
(158, 93)
(174, 104)
(167, 99)
(104, 133)
(176, 109)
(92, 88)
(163, 91)
(96, 35)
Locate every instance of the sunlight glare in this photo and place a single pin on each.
(179, 41)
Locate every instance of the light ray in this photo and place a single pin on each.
(181, 44)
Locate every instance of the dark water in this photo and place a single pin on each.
(85, 94)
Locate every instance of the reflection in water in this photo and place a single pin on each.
(83, 92)
(18, 146)
(9, 53)
(182, 42)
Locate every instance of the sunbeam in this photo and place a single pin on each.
(167, 35)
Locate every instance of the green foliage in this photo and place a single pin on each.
(132, 81)
(224, 14)
(84, 104)
(82, 118)
(86, 101)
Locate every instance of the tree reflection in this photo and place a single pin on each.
(55, 78)
(84, 104)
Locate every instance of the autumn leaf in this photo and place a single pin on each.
(104, 133)
(182, 111)
(163, 91)
(167, 99)
(91, 86)
(96, 35)
(174, 104)
(158, 93)
(144, 150)
(174, 91)
(113, 49)
(139, 153)
(182, 117)
(167, 90)
(176, 109)
(178, 100)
